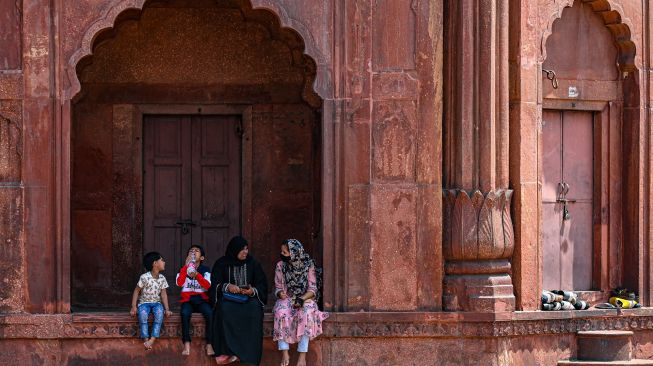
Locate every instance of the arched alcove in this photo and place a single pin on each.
(143, 148)
(590, 152)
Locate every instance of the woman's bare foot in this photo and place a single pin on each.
(302, 359)
(285, 358)
(221, 360)
(232, 359)
(186, 350)
(209, 350)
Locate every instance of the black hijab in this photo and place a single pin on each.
(236, 244)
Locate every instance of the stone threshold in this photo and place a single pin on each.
(348, 324)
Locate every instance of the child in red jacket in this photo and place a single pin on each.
(195, 280)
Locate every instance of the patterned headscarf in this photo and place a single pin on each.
(296, 270)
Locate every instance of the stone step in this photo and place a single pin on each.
(633, 362)
(604, 345)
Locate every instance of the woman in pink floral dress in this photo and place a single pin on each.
(297, 318)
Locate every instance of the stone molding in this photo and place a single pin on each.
(348, 325)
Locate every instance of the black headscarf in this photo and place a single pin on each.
(295, 271)
(236, 244)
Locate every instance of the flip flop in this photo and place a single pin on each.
(605, 305)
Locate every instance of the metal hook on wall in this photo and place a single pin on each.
(551, 75)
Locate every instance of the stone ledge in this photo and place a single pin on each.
(347, 325)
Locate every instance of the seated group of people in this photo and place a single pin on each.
(231, 296)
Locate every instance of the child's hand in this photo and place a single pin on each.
(282, 295)
(168, 313)
(188, 259)
(133, 311)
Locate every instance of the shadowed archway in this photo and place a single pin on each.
(190, 63)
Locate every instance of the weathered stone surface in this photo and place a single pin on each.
(394, 147)
(364, 184)
(10, 40)
(358, 256)
(393, 271)
(12, 255)
(11, 140)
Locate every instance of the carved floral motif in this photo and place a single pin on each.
(478, 226)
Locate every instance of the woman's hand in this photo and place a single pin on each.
(168, 313)
(133, 311)
(247, 291)
(233, 289)
(282, 295)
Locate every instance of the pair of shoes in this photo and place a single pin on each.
(566, 305)
(624, 303)
(552, 306)
(624, 293)
(567, 296)
(581, 305)
(549, 297)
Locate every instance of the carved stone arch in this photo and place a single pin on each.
(294, 33)
(611, 13)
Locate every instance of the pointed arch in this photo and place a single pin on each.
(611, 14)
(294, 33)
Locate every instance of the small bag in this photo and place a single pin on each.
(239, 298)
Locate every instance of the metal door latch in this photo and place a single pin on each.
(563, 189)
(185, 226)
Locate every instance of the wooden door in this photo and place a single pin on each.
(192, 175)
(567, 174)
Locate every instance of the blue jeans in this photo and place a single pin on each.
(144, 312)
(301, 347)
(195, 304)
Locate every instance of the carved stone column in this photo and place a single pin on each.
(478, 245)
(478, 231)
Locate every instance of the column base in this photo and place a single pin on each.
(485, 293)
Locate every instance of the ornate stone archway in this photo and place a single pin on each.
(295, 33)
(611, 13)
(102, 30)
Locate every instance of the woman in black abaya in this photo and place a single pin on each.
(238, 292)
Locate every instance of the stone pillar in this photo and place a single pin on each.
(387, 152)
(478, 231)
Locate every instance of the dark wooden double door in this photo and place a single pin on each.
(192, 179)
